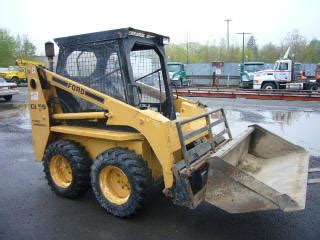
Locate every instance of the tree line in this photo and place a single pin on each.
(194, 52)
(12, 48)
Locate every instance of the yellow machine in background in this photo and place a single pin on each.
(108, 119)
(17, 74)
(23, 63)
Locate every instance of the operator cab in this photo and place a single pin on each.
(126, 64)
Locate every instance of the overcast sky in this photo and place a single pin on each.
(200, 20)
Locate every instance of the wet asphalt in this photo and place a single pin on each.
(29, 210)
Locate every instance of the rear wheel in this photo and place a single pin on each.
(120, 180)
(313, 87)
(15, 80)
(67, 168)
(8, 98)
(269, 86)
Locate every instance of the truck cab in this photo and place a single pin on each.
(178, 74)
(282, 70)
(285, 75)
(247, 71)
(14, 74)
(17, 74)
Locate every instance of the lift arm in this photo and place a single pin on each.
(160, 132)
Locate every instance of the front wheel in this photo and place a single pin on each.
(8, 98)
(120, 180)
(269, 86)
(313, 87)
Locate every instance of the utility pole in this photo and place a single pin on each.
(228, 20)
(243, 33)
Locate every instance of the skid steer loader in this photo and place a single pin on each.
(108, 119)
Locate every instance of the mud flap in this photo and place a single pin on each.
(258, 171)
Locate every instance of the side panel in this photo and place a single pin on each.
(96, 146)
(39, 114)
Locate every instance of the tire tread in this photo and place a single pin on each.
(80, 164)
(135, 167)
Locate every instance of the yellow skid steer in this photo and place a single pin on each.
(107, 119)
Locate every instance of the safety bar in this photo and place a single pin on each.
(212, 137)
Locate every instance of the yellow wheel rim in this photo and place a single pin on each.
(60, 171)
(114, 185)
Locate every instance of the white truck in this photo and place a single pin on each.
(286, 74)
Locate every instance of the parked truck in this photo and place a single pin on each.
(17, 73)
(247, 70)
(286, 74)
(178, 74)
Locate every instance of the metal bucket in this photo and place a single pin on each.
(258, 171)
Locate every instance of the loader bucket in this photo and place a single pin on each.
(258, 171)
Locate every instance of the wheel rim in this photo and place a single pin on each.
(269, 87)
(60, 171)
(114, 185)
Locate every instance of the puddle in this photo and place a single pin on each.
(17, 115)
(295, 121)
(24, 117)
(299, 127)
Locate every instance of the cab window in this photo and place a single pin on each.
(283, 66)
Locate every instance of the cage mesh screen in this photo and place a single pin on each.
(147, 74)
(96, 66)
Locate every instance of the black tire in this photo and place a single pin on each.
(138, 175)
(269, 86)
(15, 80)
(79, 162)
(8, 98)
(313, 87)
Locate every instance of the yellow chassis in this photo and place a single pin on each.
(156, 139)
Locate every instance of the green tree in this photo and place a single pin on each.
(24, 48)
(252, 44)
(297, 43)
(176, 53)
(252, 49)
(312, 52)
(7, 48)
(304, 51)
(269, 53)
(12, 48)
